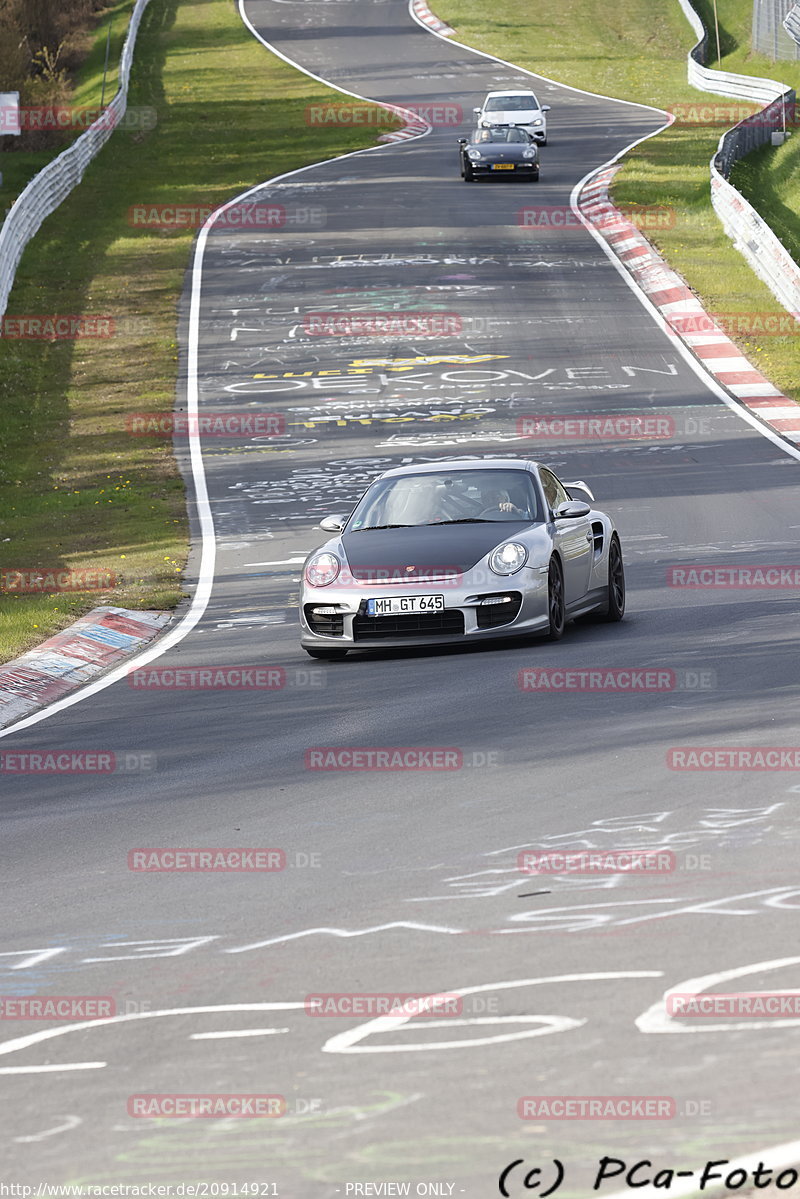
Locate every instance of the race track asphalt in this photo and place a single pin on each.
(408, 881)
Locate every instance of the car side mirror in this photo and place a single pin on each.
(462, 141)
(545, 108)
(579, 485)
(572, 510)
(477, 112)
(332, 524)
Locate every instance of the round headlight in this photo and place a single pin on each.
(528, 153)
(473, 154)
(508, 558)
(322, 570)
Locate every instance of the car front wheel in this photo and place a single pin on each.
(556, 607)
(468, 175)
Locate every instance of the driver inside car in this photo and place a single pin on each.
(494, 498)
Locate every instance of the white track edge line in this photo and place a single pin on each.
(524, 70)
(679, 345)
(202, 595)
(208, 546)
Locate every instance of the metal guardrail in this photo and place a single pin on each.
(791, 22)
(769, 35)
(749, 232)
(54, 182)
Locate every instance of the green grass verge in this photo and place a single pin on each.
(76, 491)
(20, 166)
(637, 51)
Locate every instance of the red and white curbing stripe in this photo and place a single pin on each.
(413, 127)
(99, 640)
(684, 313)
(421, 10)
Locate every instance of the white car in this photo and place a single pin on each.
(515, 108)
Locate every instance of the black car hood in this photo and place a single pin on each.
(375, 555)
(502, 151)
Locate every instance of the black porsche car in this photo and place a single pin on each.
(507, 149)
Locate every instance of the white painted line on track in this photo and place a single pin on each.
(350, 1040)
(208, 546)
(202, 594)
(48, 1034)
(524, 71)
(646, 303)
(236, 1032)
(679, 346)
(278, 562)
(52, 1069)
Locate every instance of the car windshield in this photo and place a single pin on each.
(511, 103)
(447, 497)
(500, 135)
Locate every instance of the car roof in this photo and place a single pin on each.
(519, 91)
(504, 128)
(422, 468)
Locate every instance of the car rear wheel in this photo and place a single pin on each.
(616, 582)
(327, 655)
(556, 609)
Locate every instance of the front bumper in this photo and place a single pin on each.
(520, 168)
(464, 619)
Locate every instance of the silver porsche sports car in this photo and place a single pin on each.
(463, 549)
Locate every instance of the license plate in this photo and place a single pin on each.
(395, 605)
(502, 166)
